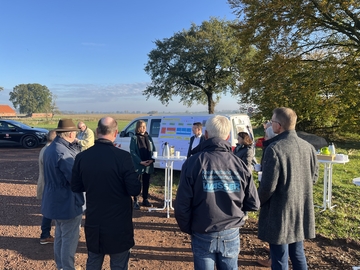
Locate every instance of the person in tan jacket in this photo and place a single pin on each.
(85, 137)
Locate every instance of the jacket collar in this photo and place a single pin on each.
(280, 136)
(104, 141)
(215, 144)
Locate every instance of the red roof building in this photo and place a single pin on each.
(6, 110)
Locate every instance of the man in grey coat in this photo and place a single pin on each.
(290, 168)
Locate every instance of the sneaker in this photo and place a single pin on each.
(136, 206)
(49, 240)
(266, 263)
(146, 203)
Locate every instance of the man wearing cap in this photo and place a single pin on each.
(59, 202)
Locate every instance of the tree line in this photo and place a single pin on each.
(298, 54)
(33, 98)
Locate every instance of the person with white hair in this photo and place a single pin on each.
(214, 191)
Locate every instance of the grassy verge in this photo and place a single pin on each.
(343, 221)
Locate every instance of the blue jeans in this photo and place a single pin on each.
(45, 228)
(216, 248)
(118, 261)
(66, 240)
(280, 253)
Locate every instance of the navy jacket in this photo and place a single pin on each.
(214, 191)
(58, 201)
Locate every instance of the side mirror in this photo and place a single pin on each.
(122, 134)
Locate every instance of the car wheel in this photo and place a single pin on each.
(30, 142)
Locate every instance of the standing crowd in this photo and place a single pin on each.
(216, 190)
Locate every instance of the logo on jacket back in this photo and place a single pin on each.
(219, 180)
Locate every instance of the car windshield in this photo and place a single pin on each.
(18, 124)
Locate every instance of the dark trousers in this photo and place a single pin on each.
(145, 186)
(45, 228)
(118, 261)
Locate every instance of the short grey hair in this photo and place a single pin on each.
(64, 134)
(286, 117)
(218, 126)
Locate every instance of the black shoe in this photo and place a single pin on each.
(136, 206)
(146, 203)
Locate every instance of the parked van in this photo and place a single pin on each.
(176, 130)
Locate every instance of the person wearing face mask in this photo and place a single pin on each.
(141, 150)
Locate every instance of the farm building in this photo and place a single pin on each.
(6, 110)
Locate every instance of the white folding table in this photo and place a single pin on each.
(328, 165)
(169, 162)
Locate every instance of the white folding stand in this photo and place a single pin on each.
(169, 161)
(328, 164)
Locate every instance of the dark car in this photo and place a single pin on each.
(16, 133)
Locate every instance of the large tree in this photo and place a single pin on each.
(198, 64)
(31, 98)
(307, 57)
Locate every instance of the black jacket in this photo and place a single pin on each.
(215, 188)
(246, 154)
(108, 177)
(195, 150)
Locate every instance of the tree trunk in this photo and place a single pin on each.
(211, 104)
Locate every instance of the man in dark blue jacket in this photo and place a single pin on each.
(59, 202)
(108, 177)
(214, 191)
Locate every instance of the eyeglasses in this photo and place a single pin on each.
(274, 121)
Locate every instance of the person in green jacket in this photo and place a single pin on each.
(141, 150)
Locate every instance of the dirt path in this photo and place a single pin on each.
(159, 242)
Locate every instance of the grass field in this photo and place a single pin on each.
(90, 120)
(342, 222)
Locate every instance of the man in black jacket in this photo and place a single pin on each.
(214, 191)
(108, 177)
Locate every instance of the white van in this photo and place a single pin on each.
(177, 131)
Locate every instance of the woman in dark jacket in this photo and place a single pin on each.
(141, 150)
(244, 149)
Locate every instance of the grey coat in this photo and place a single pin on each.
(290, 168)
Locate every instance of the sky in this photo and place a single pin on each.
(91, 54)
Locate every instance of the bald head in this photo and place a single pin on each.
(107, 128)
(81, 126)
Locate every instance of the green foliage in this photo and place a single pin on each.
(198, 64)
(307, 58)
(31, 98)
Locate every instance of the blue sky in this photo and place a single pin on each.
(91, 54)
